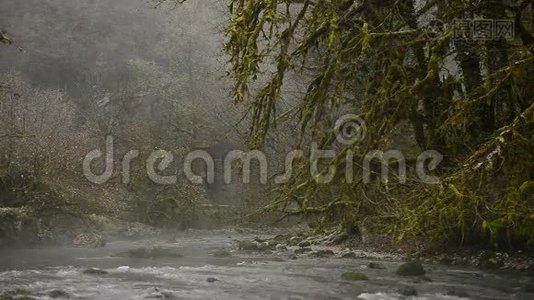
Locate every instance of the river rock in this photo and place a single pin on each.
(322, 253)
(222, 253)
(281, 247)
(281, 237)
(354, 276)
(412, 268)
(95, 271)
(302, 250)
(304, 244)
(259, 240)
(375, 265)
(490, 260)
(295, 240)
(350, 254)
(156, 293)
(247, 246)
(139, 253)
(59, 294)
(339, 238)
(445, 260)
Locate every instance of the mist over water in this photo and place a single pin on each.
(158, 77)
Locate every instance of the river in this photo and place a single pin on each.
(243, 275)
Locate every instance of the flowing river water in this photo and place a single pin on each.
(243, 275)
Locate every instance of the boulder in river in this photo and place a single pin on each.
(156, 293)
(354, 276)
(95, 271)
(375, 265)
(221, 253)
(59, 294)
(247, 246)
(412, 268)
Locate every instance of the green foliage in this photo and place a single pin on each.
(378, 60)
(4, 38)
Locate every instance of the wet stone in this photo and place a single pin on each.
(222, 253)
(445, 260)
(94, 271)
(411, 269)
(295, 240)
(354, 276)
(349, 255)
(59, 294)
(247, 246)
(302, 250)
(304, 244)
(322, 253)
(375, 265)
(281, 247)
(281, 237)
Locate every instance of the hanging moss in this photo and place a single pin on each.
(375, 60)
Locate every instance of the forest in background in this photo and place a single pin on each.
(291, 64)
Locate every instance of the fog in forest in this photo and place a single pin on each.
(246, 149)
